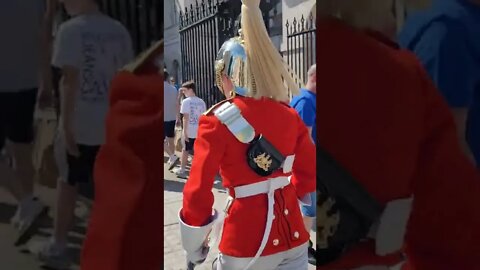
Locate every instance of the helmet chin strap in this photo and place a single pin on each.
(232, 93)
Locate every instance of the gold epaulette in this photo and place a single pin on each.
(144, 57)
(216, 106)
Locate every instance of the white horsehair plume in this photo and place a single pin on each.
(271, 75)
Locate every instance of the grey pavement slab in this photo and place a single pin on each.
(21, 258)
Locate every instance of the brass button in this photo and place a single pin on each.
(275, 242)
(273, 216)
(296, 235)
(285, 212)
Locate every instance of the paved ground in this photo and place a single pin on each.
(21, 258)
(173, 253)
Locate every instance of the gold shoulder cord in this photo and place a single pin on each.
(143, 57)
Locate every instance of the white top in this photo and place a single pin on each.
(20, 22)
(98, 46)
(170, 95)
(194, 107)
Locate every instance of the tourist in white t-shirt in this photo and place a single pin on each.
(90, 49)
(192, 108)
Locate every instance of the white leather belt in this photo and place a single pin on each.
(389, 232)
(267, 187)
(263, 187)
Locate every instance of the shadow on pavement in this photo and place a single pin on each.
(6, 212)
(174, 186)
(177, 186)
(217, 184)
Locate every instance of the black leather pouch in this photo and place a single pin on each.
(263, 157)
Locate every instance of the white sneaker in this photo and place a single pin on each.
(15, 221)
(53, 256)
(181, 173)
(173, 162)
(26, 218)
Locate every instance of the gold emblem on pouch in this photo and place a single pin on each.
(327, 223)
(263, 161)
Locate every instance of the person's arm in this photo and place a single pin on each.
(184, 112)
(179, 102)
(450, 66)
(185, 126)
(197, 193)
(197, 215)
(307, 114)
(67, 57)
(69, 88)
(45, 89)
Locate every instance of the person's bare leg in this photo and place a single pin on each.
(166, 146)
(184, 160)
(65, 212)
(22, 182)
(8, 180)
(19, 178)
(170, 146)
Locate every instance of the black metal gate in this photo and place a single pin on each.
(301, 46)
(203, 29)
(143, 18)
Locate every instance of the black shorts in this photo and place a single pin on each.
(189, 145)
(169, 128)
(80, 169)
(16, 115)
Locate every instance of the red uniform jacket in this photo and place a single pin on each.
(383, 120)
(125, 231)
(216, 148)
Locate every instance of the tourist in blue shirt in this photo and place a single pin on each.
(446, 38)
(306, 105)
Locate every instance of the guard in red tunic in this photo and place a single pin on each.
(265, 157)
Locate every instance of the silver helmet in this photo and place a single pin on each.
(231, 61)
